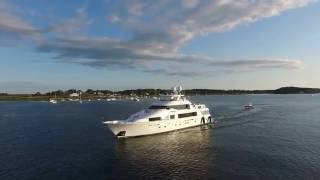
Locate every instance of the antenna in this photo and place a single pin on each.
(179, 89)
(174, 89)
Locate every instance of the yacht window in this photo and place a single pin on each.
(182, 106)
(158, 107)
(171, 116)
(179, 107)
(187, 115)
(155, 119)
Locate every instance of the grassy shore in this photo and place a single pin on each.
(19, 97)
(23, 98)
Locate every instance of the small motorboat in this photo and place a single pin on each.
(248, 106)
(53, 101)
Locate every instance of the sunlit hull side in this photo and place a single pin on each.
(133, 129)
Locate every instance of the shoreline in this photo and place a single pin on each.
(73, 94)
(47, 98)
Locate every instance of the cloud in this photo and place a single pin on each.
(115, 54)
(12, 26)
(72, 24)
(261, 63)
(114, 18)
(167, 25)
(158, 29)
(206, 67)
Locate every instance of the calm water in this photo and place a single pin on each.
(279, 139)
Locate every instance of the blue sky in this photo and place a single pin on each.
(110, 44)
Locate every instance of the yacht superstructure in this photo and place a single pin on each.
(171, 112)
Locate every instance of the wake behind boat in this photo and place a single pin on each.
(171, 112)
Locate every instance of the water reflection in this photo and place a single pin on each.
(173, 155)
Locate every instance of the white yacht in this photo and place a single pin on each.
(171, 112)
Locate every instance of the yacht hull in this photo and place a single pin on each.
(132, 129)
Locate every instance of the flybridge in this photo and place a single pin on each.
(176, 95)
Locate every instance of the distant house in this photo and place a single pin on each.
(74, 95)
(100, 93)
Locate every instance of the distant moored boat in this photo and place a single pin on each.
(53, 100)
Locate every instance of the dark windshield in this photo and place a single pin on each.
(158, 107)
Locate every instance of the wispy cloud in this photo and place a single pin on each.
(115, 54)
(72, 24)
(260, 63)
(165, 25)
(159, 29)
(11, 24)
